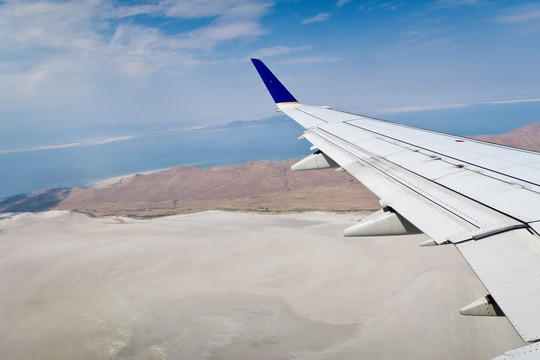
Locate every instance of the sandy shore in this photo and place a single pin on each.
(221, 285)
(120, 179)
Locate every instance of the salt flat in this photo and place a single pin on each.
(219, 285)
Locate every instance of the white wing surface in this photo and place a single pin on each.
(482, 197)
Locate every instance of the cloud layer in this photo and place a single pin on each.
(76, 63)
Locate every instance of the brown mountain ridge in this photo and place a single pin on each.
(254, 186)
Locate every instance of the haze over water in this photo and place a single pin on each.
(51, 159)
(81, 165)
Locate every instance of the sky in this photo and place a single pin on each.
(67, 65)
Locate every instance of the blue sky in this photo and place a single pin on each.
(68, 65)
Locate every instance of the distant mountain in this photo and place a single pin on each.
(43, 201)
(526, 137)
(254, 186)
(273, 120)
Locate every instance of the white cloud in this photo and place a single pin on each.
(35, 33)
(438, 5)
(210, 36)
(74, 61)
(272, 51)
(195, 9)
(521, 14)
(454, 3)
(340, 3)
(311, 60)
(192, 9)
(322, 16)
(390, 6)
(277, 50)
(523, 18)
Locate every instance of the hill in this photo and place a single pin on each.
(526, 137)
(254, 186)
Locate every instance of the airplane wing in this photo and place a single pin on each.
(482, 197)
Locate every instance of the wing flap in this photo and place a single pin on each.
(508, 264)
(506, 196)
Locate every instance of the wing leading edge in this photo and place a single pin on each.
(481, 197)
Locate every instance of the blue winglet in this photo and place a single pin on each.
(279, 93)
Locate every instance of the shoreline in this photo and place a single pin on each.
(121, 178)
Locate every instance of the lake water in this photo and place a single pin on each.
(79, 166)
(160, 147)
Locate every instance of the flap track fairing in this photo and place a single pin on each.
(485, 306)
(384, 222)
(315, 161)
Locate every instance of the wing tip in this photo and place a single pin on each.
(279, 93)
